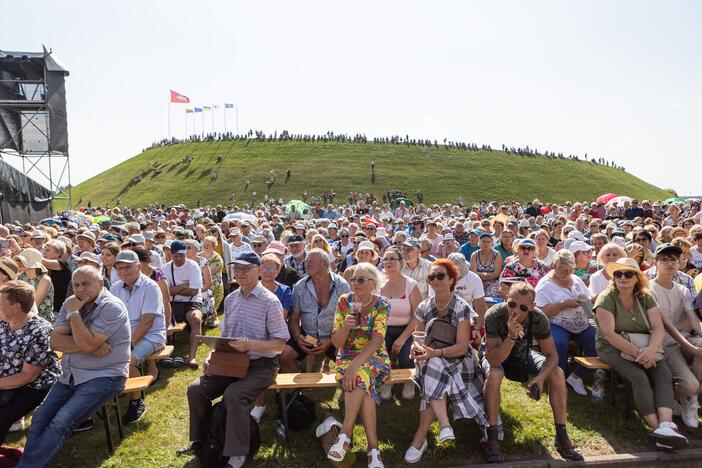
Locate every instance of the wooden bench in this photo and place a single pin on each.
(285, 382)
(177, 328)
(133, 384)
(595, 363)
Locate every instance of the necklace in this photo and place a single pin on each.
(368, 303)
(442, 309)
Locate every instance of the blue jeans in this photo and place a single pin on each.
(586, 339)
(403, 359)
(63, 409)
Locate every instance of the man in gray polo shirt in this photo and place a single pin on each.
(144, 302)
(92, 330)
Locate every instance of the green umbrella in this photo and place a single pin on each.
(674, 201)
(396, 202)
(101, 219)
(299, 205)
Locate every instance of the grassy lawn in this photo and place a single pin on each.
(442, 174)
(595, 427)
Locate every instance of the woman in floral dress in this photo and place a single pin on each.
(362, 362)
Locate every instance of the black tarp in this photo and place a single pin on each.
(21, 198)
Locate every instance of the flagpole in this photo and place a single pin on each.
(203, 122)
(186, 124)
(213, 118)
(236, 112)
(169, 119)
(224, 113)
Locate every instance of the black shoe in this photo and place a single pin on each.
(85, 425)
(492, 451)
(566, 450)
(191, 449)
(135, 411)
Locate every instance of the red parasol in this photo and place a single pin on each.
(606, 197)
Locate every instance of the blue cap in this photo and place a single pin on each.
(527, 242)
(477, 232)
(177, 247)
(248, 258)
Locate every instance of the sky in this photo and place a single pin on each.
(614, 79)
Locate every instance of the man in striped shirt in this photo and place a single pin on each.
(254, 316)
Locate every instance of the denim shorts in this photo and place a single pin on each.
(144, 349)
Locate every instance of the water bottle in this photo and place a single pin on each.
(598, 385)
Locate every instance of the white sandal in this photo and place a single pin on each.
(338, 447)
(375, 461)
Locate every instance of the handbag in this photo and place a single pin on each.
(441, 333)
(640, 340)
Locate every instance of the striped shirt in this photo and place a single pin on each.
(257, 316)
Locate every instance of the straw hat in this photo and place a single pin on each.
(626, 264)
(8, 268)
(31, 258)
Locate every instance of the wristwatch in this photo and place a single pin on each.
(71, 314)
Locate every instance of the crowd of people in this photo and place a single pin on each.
(406, 140)
(466, 296)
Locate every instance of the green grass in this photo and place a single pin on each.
(442, 174)
(595, 427)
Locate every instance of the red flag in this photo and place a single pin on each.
(179, 98)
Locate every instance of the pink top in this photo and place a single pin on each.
(401, 309)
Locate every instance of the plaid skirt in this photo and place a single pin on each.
(461, 379)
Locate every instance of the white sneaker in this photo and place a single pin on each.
(446, 434)
(386, 392)
(576, 384)
(236, 462)
(408, 391)
(17, 426)
(667, 434)
(689, 414)
(413, 455)
(257, 412)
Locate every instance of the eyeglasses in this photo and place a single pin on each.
(359, 281)
(641, 239)
(522, 307)
(626, 274)
(436, 276)
(390, 259)
(669, 261)
(344, 236)
(269, 269)
(257, 244)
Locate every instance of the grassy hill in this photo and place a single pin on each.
(442, 174)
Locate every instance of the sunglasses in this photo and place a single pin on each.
(526, 247)
(369, 228)
(522, 307)
(359, 281)
(625, 274)
(641, 239)
(390, 259)
(257, 244)
(436, 276)
(269, 269)
(319, 241)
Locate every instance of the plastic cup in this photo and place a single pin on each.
(419, 338)
(355, 308)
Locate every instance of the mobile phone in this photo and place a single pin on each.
(4, 243)
(534, 392)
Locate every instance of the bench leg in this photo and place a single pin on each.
(612, 387)
(108, 432)
(284, 406)
(120, 429)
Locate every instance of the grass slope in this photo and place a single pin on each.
(442, 174)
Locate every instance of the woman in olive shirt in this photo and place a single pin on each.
(627, 305)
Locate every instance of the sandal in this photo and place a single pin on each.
(342, 443)
(374, 459)
(178, 362)
(166, 363)
(193, 364)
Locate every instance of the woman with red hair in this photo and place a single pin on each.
(445, 366)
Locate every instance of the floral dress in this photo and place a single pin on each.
(46, 308)
(217, 288)
(532, 275)
(372, 373)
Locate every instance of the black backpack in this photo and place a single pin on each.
(301, 411)
(212, 443)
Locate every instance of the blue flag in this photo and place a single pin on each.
(197, 109)
(228, 106)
